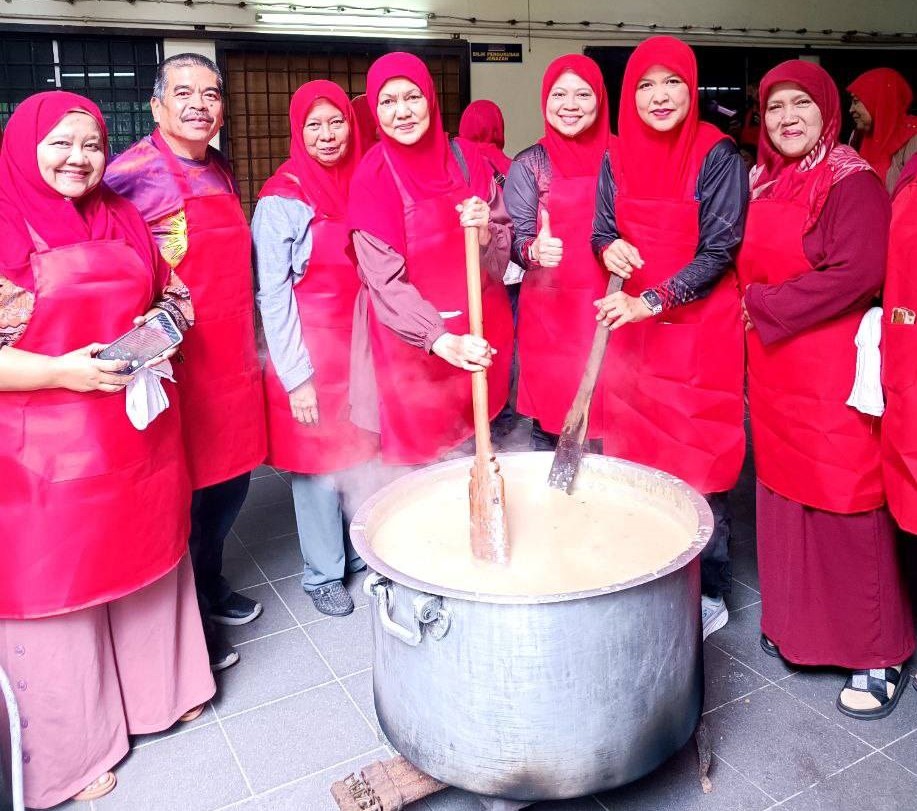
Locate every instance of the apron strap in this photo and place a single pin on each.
(37, 241)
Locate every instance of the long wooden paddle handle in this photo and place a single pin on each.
(476, 325)
(597, 352)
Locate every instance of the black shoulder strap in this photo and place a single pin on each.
(457, 152)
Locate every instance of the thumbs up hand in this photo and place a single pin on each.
(546, 250)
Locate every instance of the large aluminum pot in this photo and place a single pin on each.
(534, 698)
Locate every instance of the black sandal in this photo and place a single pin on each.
(875, 682)
(769, 647)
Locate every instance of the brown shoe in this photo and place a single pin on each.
(98, 787)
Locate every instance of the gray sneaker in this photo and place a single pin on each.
(332, 599)
(713, 614)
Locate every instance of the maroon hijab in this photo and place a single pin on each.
(422, 168)
(779, 177)
(581, 155)
(304, 178)
(662, 164)
(24, 195)
(482, 122)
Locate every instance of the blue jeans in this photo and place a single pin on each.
(324, 506)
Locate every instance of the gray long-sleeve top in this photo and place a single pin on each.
(722, 191)
(282, 247)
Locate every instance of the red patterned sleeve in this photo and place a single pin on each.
(16, 306)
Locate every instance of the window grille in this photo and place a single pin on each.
(260, 79)
(117, 74)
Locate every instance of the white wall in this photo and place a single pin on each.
(514, 87)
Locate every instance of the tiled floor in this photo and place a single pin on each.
(297, 712)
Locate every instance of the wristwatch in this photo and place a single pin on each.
(651, 299)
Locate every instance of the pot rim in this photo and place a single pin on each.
(362, 544)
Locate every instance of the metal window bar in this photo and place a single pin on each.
(261, 80)
(65, 63)
(15, 724)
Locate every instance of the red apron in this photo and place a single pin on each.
(810, 447)
(556, 313)
(424, 402)
(325, 297)
(899, 367)
(222, 405)
(91, 508)
(673, 383)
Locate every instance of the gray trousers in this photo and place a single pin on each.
(324, 505)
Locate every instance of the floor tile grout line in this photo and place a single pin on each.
(232, 715)
(898, 739)
(737, 698)
(749, 587)
(744, 776)
(265, 636)
(327, 664)
(337, 678)
(185, 730)
(829, 719)
(235, 757)
(267, 792)
(745, 664)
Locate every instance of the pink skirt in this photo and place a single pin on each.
(85, 681)
(831, 591)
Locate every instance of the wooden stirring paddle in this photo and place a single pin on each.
(489, 534)
(573, 436)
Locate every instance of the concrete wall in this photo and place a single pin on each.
(514, 87)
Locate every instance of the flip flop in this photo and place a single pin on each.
(97, 788)
(876, 686)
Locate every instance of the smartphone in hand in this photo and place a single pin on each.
(143, 343)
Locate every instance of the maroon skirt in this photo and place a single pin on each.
(831, 589)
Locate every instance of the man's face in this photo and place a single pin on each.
(192, 108)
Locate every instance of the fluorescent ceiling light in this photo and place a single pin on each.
(367, 20)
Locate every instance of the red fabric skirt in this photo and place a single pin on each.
(831, 589)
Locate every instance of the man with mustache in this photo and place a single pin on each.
(185, 191)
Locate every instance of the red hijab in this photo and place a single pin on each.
(24, 195)
(366, 124)
(482, 122)
(581, 155)
(887, 96)
(423, 168)
(779, 177)
(304, 178)
(662, 164)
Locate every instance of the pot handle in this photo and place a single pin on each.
(428, 612)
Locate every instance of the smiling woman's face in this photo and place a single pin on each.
(71, 158)
(572, 106)
(793, 121)
(663, 99)
(403, 110)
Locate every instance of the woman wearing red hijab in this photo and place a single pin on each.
(812, 261)
(364, 124)
(411, 197)
(899, 448)
(482, 123)
(307, 285)
(669, 218)
(99, 626)
(550, 194)
(886, 135)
